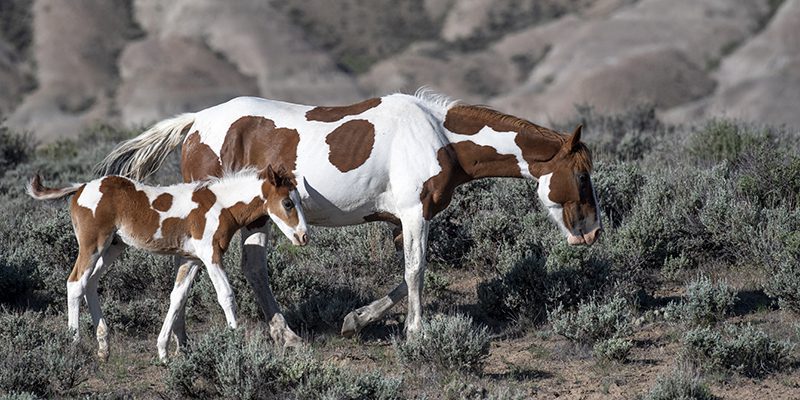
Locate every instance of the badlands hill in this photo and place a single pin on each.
(68, 65)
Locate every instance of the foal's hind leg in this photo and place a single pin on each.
(77, 282)
(107, 256)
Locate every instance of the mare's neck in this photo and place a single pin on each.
(486, 143)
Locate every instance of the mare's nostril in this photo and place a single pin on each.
(302, 239)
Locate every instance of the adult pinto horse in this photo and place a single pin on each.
(396, 159)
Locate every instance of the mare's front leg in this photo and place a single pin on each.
(414, 241)
(175, 319)
(415, 244)
(107, 256)
(361, 317)
(254, 266)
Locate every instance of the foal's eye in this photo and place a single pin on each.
(287, 204)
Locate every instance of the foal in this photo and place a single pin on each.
(194, 220)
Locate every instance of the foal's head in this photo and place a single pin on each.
(566, 190)
(282, 204)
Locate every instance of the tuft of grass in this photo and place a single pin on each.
(448, 343)
(613, 349)
(705, 303)
(594, 322)
(38, 358)
(227, 363)
(680, 383)
(742, 349)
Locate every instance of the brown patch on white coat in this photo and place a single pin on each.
(333, 114)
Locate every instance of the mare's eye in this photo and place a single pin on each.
(287, 204)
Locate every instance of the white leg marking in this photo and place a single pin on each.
(224, 292)
(109, 254)
(177, 302)
(415, 241)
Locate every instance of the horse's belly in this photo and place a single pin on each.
(340, 201)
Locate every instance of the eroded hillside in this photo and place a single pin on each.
(66, 66)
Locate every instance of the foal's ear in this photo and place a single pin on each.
(272, 176)
(573, 140)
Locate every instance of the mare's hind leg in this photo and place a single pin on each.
(358, 319)
(254, 266)
(107, 256)
(174, 321)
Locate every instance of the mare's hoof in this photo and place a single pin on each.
(350, 325)
(102, 356)
(291, 340)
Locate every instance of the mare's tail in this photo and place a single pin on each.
(41, 192)
(141, 156)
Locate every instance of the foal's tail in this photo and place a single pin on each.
(141, 156)
(41, 192)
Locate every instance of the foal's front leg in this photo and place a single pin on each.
(224, 291)
(174, 321)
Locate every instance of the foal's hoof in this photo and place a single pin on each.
(102, 355)
(350, 325)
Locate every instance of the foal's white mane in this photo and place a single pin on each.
(231, 178)
(435, 99)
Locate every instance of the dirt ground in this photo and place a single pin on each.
(532, 362)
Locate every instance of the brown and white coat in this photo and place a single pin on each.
(195, 220)
(397, 159)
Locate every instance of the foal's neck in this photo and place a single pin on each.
(242, 196)
(492, 144)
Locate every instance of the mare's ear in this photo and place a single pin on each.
(573, 140)
(272, 176)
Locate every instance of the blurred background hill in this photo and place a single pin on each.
(67, 65)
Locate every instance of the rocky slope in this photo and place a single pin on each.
(64, 67)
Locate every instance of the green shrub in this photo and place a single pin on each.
(226, 363)
(566, 276)
(458, 389)
(39, 358)
(19, 396)
(593, 321)
(446, 342)
(140, 317)
(705, 303)
(626, 136)
(15, 148)
(680, 384)
(614, 349)
(745, 350)
(724, 140)
(779, 249)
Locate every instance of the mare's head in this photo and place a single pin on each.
(566, 190)
(282, 204)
